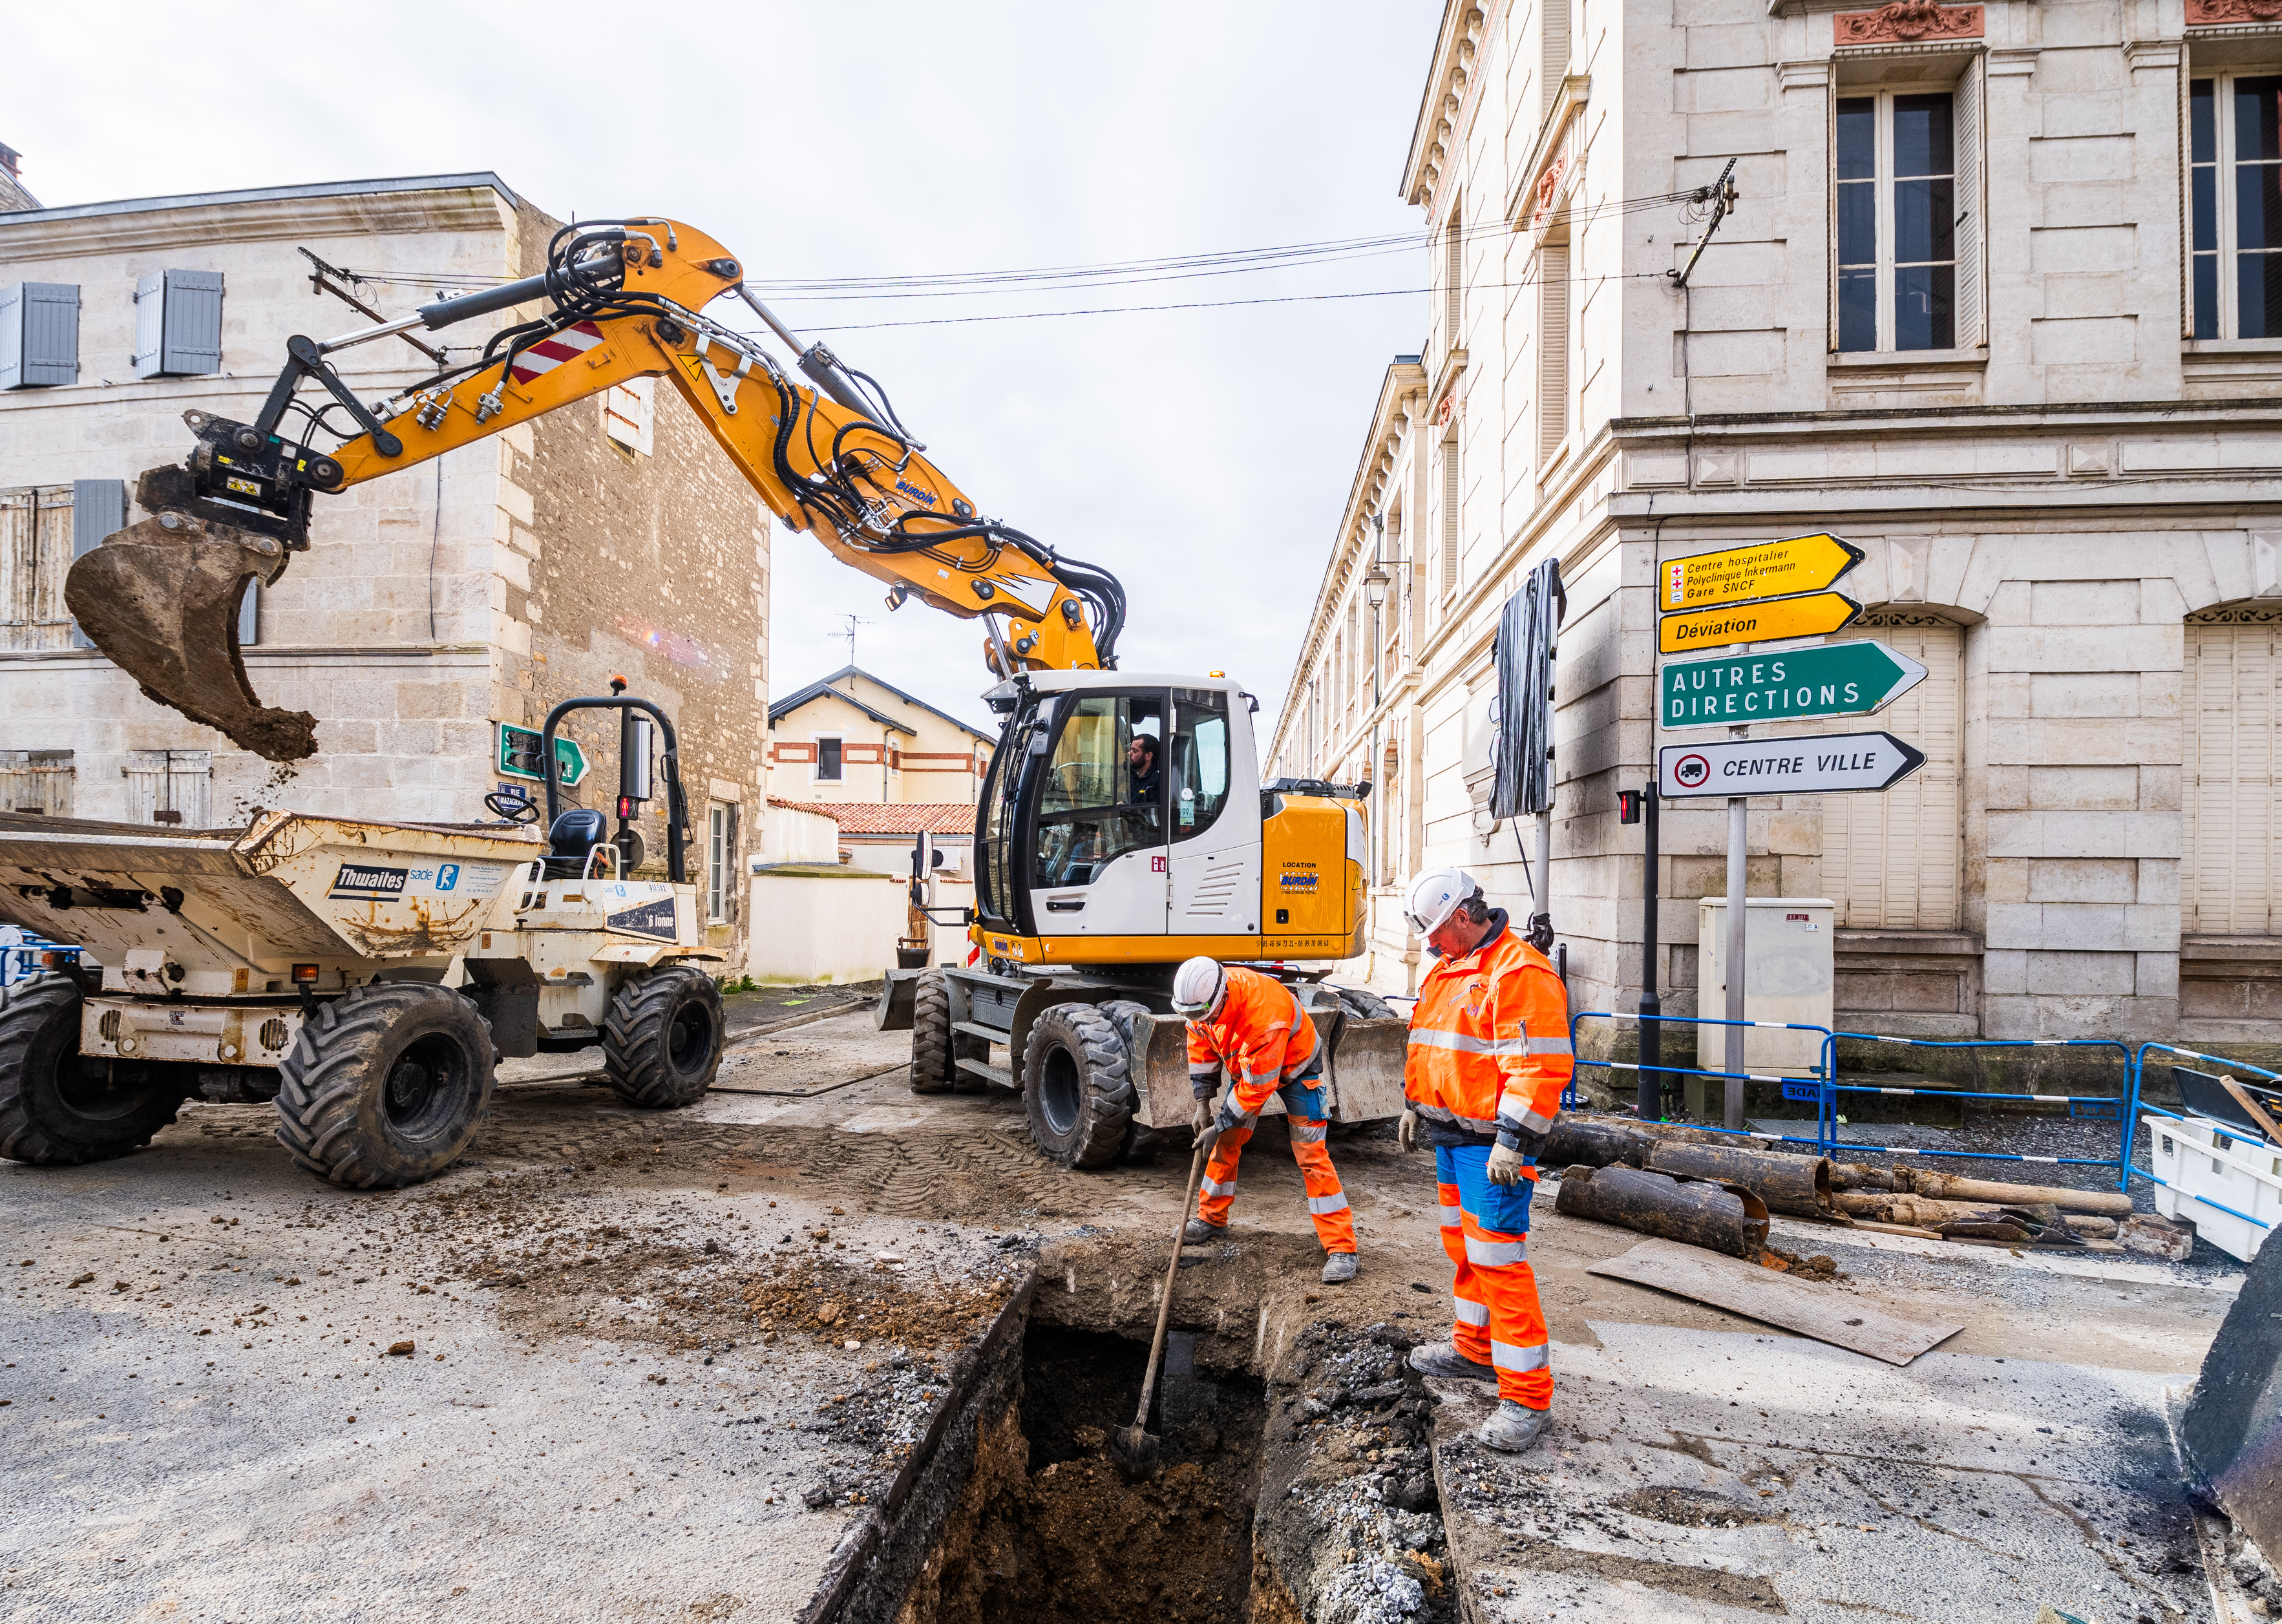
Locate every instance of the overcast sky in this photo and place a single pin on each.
(1202, 455)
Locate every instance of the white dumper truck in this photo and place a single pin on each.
(363, 977)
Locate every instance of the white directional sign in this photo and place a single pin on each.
(1828, 765)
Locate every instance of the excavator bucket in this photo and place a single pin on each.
(161, 599)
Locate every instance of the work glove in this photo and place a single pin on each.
(1505, 1166)
(1201, 1118)
(1406, 1131)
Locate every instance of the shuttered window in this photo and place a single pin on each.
(1554, 54)
(1972, 200)
(36, 781)
(98, 507)
(39, 335)
(2232, 725)
(629, 411)
(178, 324)
(1552, 350)
(172, 786)
(1453, 278)
(1891, 861)
(1450, 491)
(36, 554)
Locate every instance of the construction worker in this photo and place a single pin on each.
(1488, 1057)
(1251, 1026)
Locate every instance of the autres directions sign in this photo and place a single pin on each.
(1849, 679)
(1831, 764)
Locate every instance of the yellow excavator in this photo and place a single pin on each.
(1123, 825)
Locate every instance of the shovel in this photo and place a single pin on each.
(1135, 1447)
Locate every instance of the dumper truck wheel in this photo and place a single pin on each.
(936, 1049)
(1077, 1088)
(661, 1044)
(58, 1108)
(385, 1086)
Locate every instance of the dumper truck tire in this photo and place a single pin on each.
(1077, 1087)
(385, 1086)
(936, 1049)
(59, 1109)
(662, 1042)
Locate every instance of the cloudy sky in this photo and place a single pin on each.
(1202, 454)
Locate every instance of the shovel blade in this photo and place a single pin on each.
(1136, 1451)
(160, 598)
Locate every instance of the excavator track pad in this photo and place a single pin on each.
(160, 598)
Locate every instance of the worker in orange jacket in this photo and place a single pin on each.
(1488, 1057)
(1251, 1026)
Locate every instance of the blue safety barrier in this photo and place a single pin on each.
(2139, 1070)
(1570, 1097)
(30, 954)
(2109, 1107)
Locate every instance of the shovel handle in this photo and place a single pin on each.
(1172, 1272)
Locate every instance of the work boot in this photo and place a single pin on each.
(1514, 1427)
(1339, 1268)
(1199, 1232)
(1443, 1359)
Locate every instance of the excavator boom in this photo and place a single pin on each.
(622, 299)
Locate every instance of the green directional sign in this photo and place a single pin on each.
(518, 755)
(1848, 678)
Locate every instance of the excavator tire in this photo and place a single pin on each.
(1077, 1088)
(662, 1042)
(385, 1086)
(1132, 1020)
(932, 1071)
(1364, 1005)
(59, 1109)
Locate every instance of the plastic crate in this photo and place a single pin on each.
(2206, 1172)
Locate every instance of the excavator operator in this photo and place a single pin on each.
(1488, 1057)
(1251, 1026)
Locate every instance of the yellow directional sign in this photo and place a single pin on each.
(1766, 569)
(1816, 614)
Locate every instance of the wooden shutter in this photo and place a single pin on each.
(178, 324)
(2230, 725)
(1554, 55)
(170, 787)
(36, 553)
(149, 324)
(98, 507)
(1891, 861)
(1454, 276)
(36, 781)
(1552, 350)
(1450, 493)
(1972, 196)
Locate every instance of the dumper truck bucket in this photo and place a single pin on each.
(160, 598)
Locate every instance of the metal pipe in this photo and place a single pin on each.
(1649, 1103)
(1719, 1217)
(1732, 967)
(1785, 1183)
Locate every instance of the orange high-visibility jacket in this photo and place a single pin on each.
(1489, 1043)
(1260, 1034)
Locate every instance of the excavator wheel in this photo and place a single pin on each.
(1132, 1020)
(1364, 1005)
(386, 1084)
(1077, 1088)
(662, 1042)
(58, 1108)
(936, 1049)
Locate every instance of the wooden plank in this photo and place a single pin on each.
(1818, 1311)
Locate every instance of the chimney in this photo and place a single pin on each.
(9, 161)
(13, 197)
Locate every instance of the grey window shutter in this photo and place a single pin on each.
(193, 322)
(98, 507)
(249, 615)
(1972, 199)
(49, 340)
(150, 322)
(11, 336)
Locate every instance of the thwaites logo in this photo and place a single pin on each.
(365, 879)
(651, 919)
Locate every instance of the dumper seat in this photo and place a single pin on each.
(571, 841)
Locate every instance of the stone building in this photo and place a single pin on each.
(851, 737)
(1997, 303)
(439, 608)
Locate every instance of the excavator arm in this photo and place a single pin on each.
(623, 299)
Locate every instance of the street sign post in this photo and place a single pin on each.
(1765, 570)
(1817, 614)
(1827, 765)
(1850, 678)
(518, 755)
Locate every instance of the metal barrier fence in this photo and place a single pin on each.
(28, 954)
(1821, 1088)
(2139, 1071)
(1571, 1098)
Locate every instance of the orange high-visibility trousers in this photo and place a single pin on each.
(1327, 1202)
(1496, 1315)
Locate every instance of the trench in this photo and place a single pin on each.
(1046, 1527)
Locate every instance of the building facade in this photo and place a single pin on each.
(1992, 303)
(438, 610)
(850, 737)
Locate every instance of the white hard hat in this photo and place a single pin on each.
(1432, 896)
(1199, 988)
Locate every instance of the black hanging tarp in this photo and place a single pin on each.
(1521, 716)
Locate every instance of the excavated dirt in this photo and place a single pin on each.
(1049, 1528)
